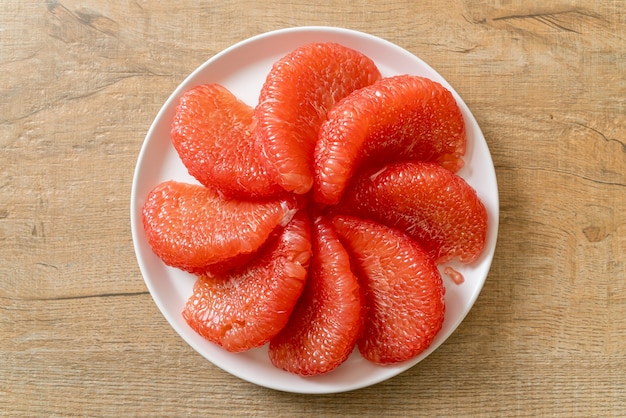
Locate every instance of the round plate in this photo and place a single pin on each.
(242, 69)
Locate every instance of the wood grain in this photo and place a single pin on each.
(81, 83)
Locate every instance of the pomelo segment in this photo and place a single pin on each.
(190, 226)
(432, 205)
(328, 317)
(298, 92)
(248, 306)
(398, 118)
(403, 289)
(211, 132)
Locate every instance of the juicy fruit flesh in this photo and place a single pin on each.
(247, 307)
(298, 92)
(404, 291)
(327, 320)
(398, 118)
(211, 132)
(431, 204)
(191, 227)
(325, 121)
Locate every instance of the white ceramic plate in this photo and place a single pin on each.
(242, 69)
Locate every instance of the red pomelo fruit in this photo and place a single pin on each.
(248, 306)
(432, 205)
(211, 132)
(404, 291)
(298, 92)
(398, 118)
(190, 226)
(328, 317)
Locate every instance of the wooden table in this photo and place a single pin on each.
(81, 83)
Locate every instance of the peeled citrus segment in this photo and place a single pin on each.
(404, 291)
(398, 118)
(297, 93)
(327, 319)
(211, 133)
(190, 226)
(250, 305)
(432, 205)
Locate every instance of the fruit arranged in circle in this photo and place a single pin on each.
(432, 205)
(404, 291)
(211, 132)
(375, 159)
(190, 226)
(328, 318)
(298, 92)
(398, 118)
(248, 306)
